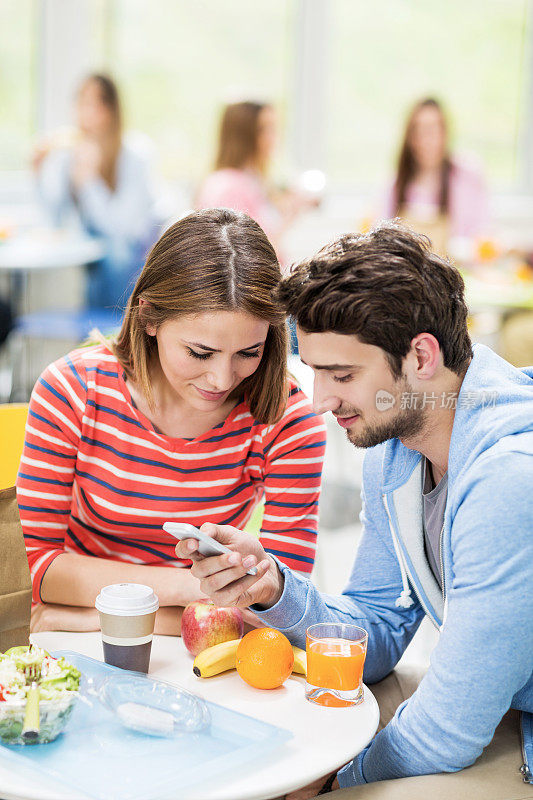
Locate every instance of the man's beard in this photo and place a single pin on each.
(406, 424)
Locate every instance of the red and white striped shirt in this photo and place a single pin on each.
(97, 478)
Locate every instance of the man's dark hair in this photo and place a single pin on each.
(385, 287)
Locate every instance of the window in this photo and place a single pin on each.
(384, 57)
(17, 88)
(178, 62)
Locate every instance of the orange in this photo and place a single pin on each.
(264, 658)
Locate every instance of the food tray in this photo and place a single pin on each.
(99, 757)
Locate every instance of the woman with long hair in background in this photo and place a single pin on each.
(92, 176)
(246, 142)
(435, 191)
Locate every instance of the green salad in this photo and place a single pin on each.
(58, 689)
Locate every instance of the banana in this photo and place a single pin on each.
(223, 656)
(300, 661)
(216, 659)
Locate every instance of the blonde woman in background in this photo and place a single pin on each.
(246, 141)
(93, 177)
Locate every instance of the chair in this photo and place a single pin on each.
(70, 325)
(12, 425)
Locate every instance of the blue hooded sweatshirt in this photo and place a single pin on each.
(483, 662)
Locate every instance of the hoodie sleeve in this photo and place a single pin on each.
(485, 652)
(369, 601)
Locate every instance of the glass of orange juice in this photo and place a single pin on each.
(335, 660)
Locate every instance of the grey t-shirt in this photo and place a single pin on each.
(434, 505)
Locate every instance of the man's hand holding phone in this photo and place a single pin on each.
(224, 577)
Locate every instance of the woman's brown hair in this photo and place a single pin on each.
(211, 260)
(109, 97)
(237, 140)
(407, 166)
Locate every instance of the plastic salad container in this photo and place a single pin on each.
(58, 691)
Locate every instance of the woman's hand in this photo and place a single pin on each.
(224, 579)
(86, 162)
(51, 617)
(40, 153)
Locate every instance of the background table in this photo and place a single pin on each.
(41, 270)
(323, 738)
(41, 251)
(499, 295)
(48, 250)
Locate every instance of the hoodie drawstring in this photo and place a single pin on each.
(404, 600)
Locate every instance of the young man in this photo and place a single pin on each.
(447, 516)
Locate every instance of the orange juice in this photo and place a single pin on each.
(335, 664)
(335, 660)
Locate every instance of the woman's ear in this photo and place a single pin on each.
(151, 330)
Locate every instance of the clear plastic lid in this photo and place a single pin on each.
(154, 707)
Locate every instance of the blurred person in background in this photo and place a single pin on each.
(435, 192)
(92, 175)
(246, 142)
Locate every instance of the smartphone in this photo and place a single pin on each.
(207, 545)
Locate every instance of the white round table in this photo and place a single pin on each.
(323, 738)
(49, 249)
(40, 251)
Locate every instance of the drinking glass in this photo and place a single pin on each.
(335, 660)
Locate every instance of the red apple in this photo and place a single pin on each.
(203, 625)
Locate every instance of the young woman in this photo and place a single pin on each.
(434, 191)
(96, 177)
(246, 143)
(189, 415)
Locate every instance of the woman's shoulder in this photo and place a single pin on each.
(467, 168)
(229, 176)
(296, 396)
(299, 405)
(298, 414)
(298, 428)
(225, 184)
(79, 365)
(137, 147)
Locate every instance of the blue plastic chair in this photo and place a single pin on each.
(51, 324)
(68, 324)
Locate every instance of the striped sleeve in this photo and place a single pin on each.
(294, 453)
(46, 472)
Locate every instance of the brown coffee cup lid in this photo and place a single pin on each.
(127, 599)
